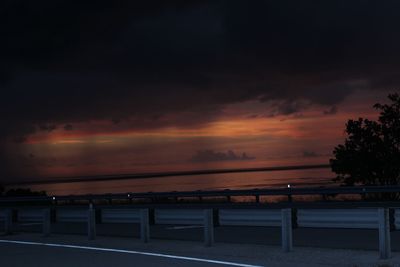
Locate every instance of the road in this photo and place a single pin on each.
(302, 237)
(119, 245)
(45, 254)
(76, 250)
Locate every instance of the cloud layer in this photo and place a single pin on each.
(210, 156)
(179, 64)
(64, 62)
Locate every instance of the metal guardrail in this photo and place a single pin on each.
(338, 218)
(6, 218)
(178, 216)
(397, 218)
(330, 218)
(120, 215)
(313, 218)
(3, 215)
(243, 214)
(257, 193)
(30, 215)
(71, 215)
(250, 217)
(41, 216)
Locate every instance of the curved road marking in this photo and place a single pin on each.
(130, 252)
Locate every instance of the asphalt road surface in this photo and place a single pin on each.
(27, 249)
(119, 245)
(36, 254)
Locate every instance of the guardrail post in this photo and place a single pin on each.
(46, 222)
(144, 225)
(208, 227)
(287, 237)
(91, 223)
(384, 233)
(8, 222)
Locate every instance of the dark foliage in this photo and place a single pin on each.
(371, 152)
(23, 192)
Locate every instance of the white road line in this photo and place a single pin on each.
(130, 252)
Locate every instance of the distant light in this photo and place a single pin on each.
(288, 186)
(129, 195)
(54, 198)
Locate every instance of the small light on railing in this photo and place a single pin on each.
(288, 186)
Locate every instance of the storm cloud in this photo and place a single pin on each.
(212, 156)
(176, 63)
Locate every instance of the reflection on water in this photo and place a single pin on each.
(276, 179)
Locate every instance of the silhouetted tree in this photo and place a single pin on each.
(24, 192)
(371, 152)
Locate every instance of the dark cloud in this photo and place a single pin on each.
(288, 107)
(310, 154)
(178, 63)
(47, 127)
(211, 155)
(68, 127)
(116, 121)
(331, 111)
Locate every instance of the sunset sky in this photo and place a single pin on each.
(127, 87)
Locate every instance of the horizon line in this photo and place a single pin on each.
(148, 175)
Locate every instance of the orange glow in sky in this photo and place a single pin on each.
(102, 147)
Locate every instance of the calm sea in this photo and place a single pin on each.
(272, 179)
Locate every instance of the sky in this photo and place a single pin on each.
(110, 87)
